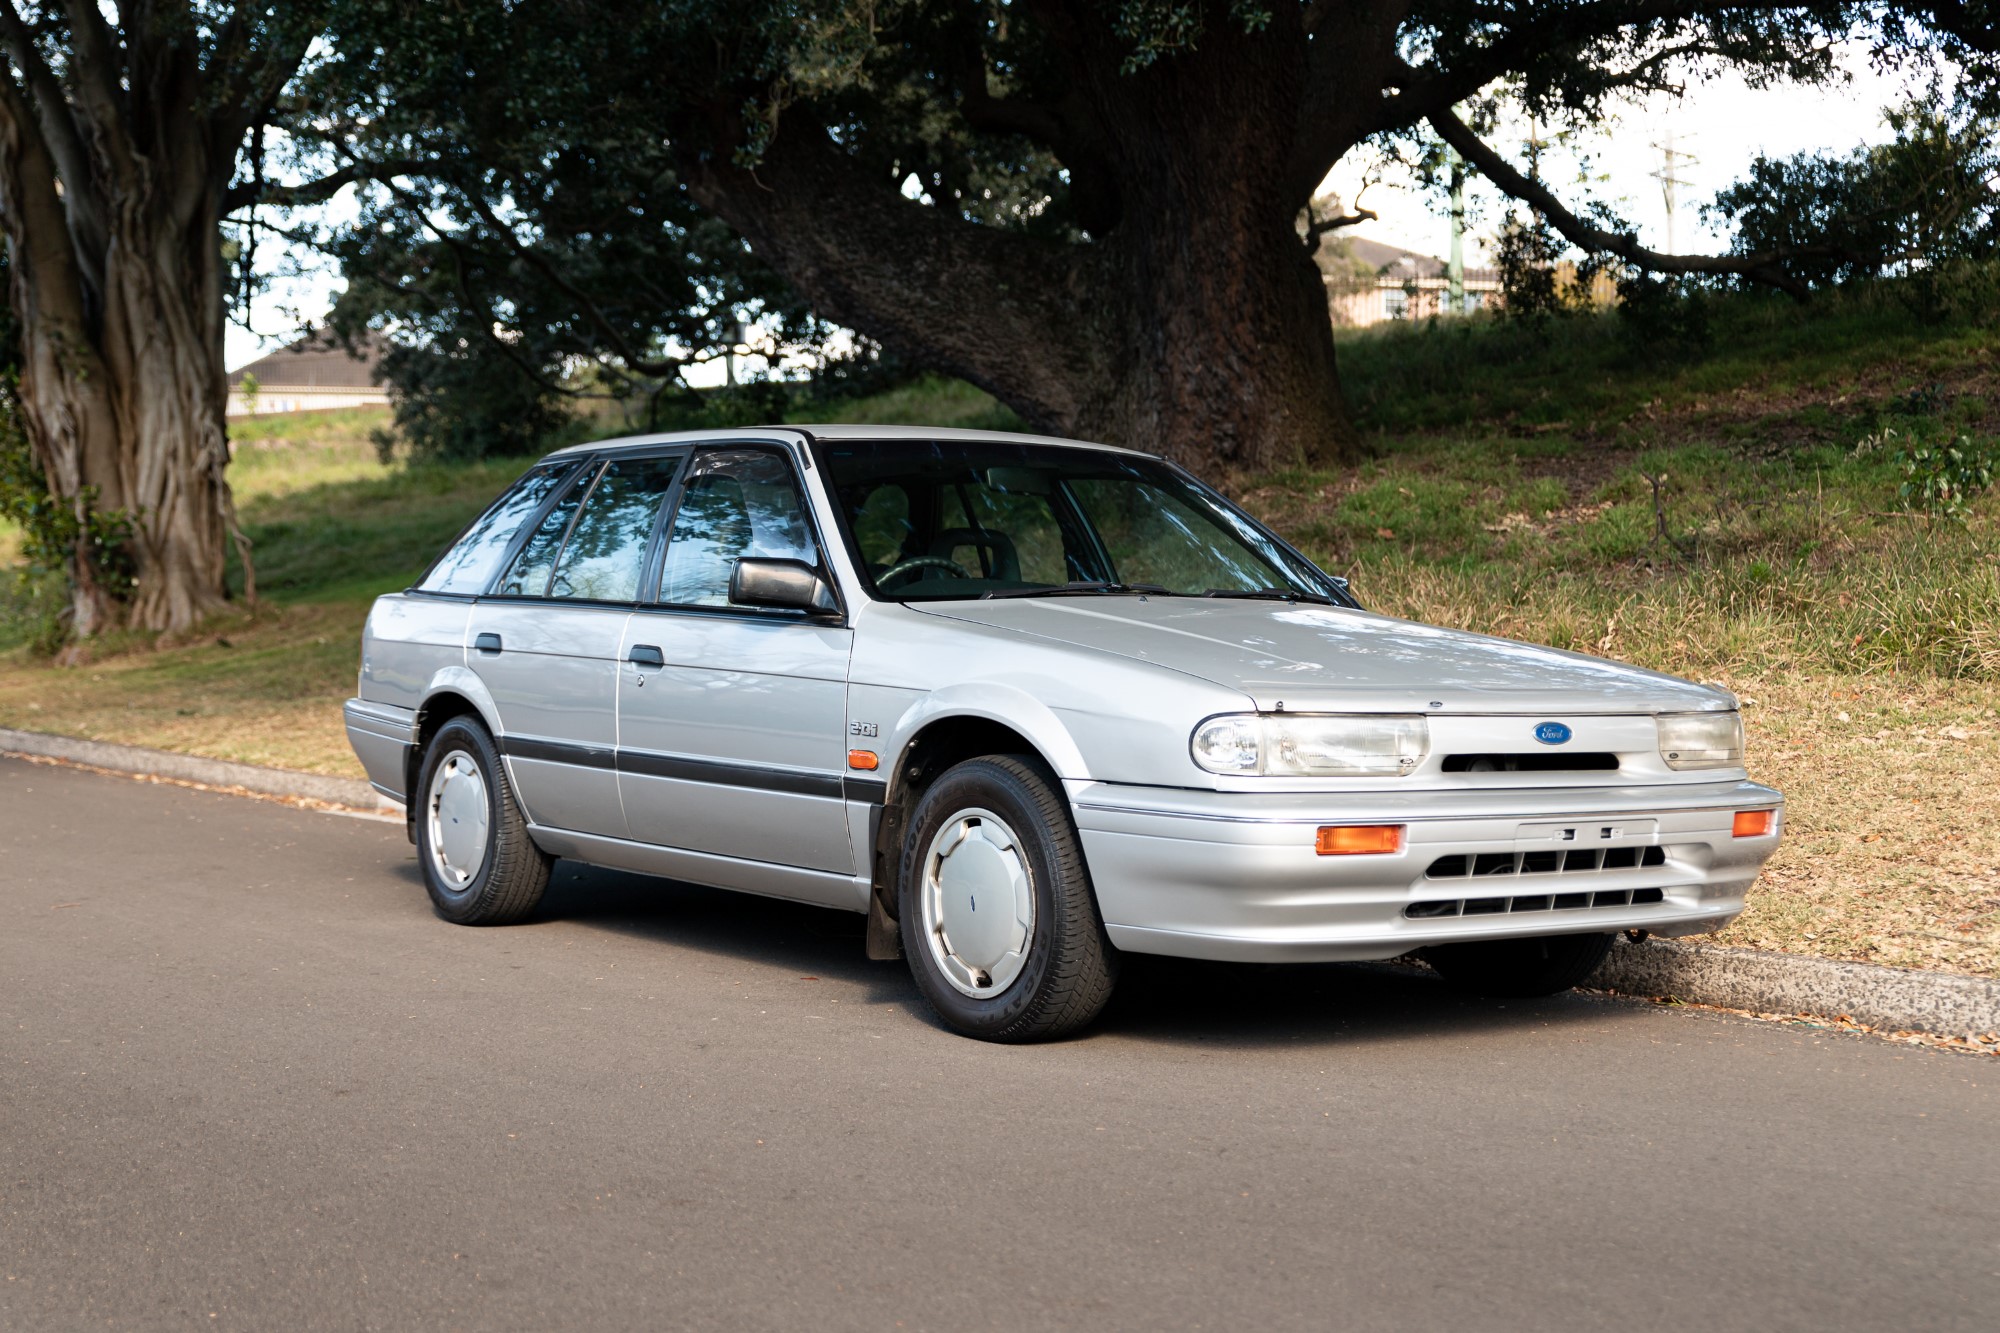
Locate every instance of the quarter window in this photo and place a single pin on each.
(737, 503)
(606, 551)
(528, 576)
(471, 563)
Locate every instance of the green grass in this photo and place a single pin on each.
(1512, 485)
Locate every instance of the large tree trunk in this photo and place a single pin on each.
(129, 428)
(1192, 323)
(115, 259)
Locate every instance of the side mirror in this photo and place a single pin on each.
(784, 585)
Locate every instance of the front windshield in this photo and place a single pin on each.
(946, 521)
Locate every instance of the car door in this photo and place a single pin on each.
(732, 720)
(545, 641)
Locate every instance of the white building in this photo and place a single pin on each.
(312, 374)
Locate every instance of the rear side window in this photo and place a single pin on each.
(471, 564)
(606, 551)
(528, 576)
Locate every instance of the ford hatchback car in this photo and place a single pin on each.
(1028, 704)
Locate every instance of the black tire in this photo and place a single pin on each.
(1069, 965)
(513, 872)
(1539, 965)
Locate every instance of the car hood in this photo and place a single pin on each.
(1311, 658)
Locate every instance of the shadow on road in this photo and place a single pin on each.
(1164, 1000)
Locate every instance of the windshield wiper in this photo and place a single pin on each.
(1086, 589)
(1274, 595)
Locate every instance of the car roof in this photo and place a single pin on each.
(839, 432)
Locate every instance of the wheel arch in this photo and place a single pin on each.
(453, 692)
(938, 738)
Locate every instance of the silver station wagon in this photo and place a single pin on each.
(1029, 705)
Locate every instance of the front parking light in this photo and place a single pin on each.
(1359, 839)
(1751, 824)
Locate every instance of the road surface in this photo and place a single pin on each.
(250, 1081)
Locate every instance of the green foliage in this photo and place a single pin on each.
(549, 254)
(53, 535)
(1922, 206)
(1942, 479)
(455, 399)
(1664, 319)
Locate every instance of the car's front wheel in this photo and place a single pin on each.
(479, 865)
(998, 917)
(1540, 965)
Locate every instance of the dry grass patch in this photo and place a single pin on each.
(259, 690)
(1891, 851)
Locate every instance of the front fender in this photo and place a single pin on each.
(1007, 705)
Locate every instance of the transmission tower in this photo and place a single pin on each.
(1672, 161)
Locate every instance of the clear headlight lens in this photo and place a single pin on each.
(1701, 740)
(1297, 746)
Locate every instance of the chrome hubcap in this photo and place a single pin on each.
(978, 903)
(457, 811)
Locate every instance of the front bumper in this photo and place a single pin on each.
(1235, 876)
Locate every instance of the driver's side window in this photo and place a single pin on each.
(737, 503)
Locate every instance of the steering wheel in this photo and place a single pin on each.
(922, 562)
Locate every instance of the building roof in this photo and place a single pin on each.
(1395, 262)
(316, 361)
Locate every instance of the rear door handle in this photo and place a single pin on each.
(646, 655)
(487, 643)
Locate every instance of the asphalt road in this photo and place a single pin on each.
(250, 1081)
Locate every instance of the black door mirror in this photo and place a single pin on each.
(784, 585)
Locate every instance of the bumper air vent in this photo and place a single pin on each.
(1568, 861)
(1537, 902)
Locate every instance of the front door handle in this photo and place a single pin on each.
(487, 643)
(646, 655)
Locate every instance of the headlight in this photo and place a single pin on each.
(1701, 740)
(1291, 745)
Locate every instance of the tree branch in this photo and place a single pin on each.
(1319, 227)
(590, 310)
(257, 192)
(1424, 90)
(96, 66)
(65, 143)
(1765, 267)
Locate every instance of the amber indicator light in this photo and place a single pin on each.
(866, 759)
(1359, 839)
(1751, 823)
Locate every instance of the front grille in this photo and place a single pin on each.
(1583, 761)
(1537, 902)
(1566, 861)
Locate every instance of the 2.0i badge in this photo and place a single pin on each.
(1552, 733)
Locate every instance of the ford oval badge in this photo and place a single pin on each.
(1552, 733)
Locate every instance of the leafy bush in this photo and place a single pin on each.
(1942, 479)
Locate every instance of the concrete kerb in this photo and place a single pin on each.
(1893, 998)
(347, 793)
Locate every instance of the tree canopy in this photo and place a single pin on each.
(1087, 208)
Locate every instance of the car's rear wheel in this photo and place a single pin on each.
(999, 920)
(479, 865)
(1540, 965)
